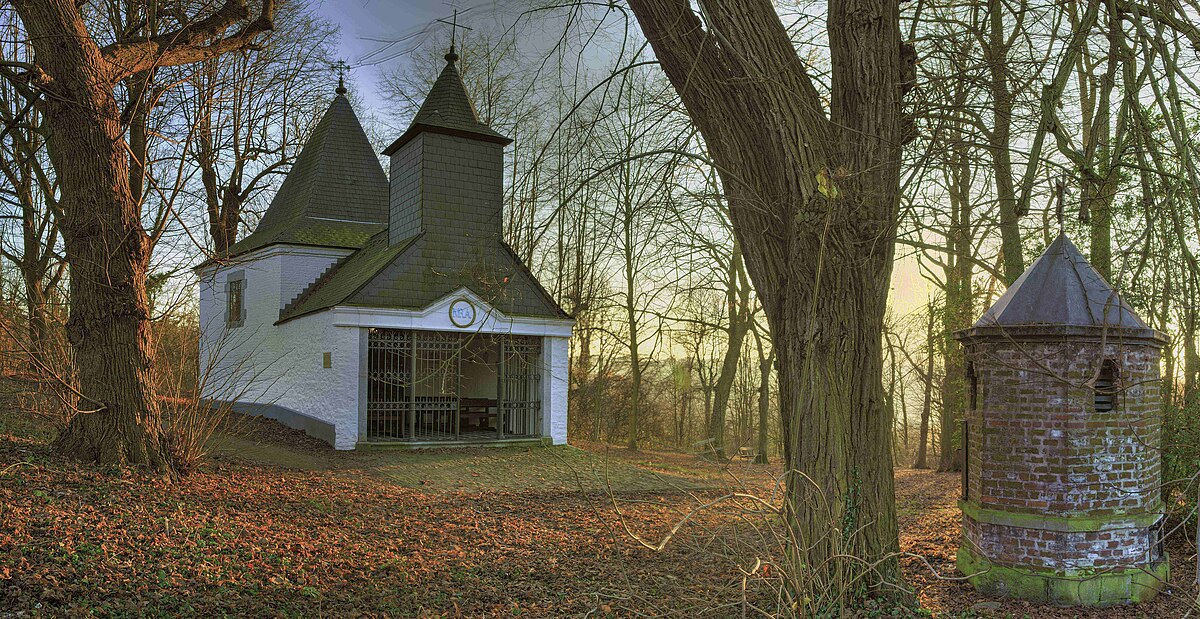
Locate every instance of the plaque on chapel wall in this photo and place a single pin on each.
(462, 312)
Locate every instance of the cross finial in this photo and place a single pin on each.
(341, 67)
(451, 56)
(1059, 206)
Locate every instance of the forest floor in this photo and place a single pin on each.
(278, 524)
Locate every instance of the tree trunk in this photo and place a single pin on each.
(957, 312)
(922, 461)
(764, 403)
(737, 298)
(814, 201)
(35, 309)
(999, 142)
(106, 247)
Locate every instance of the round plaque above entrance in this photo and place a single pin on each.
(462, 312)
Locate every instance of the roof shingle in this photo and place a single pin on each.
(1061, 289)
(448, 109)
(336, 194)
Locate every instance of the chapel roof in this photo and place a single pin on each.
(448, 109)
(336, 194)
(418, 271)
(1061, 288)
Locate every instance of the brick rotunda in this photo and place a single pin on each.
(1061, 498)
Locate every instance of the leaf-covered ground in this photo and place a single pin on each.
(277, 524)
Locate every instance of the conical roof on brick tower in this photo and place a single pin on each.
(448, 109)
(1061, 288)
(336, 194)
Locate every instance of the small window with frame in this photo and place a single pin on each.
(235, 299)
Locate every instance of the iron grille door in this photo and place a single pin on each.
(389, 384)
(437, 368)
(520, 385)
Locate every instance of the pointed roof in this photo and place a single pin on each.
(1061, 289)
(336, 194)
(448, 109)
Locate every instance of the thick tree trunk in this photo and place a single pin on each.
(838, 430)
(106, 247)
(814, 201)
(109, 324)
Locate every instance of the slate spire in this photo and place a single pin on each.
(1061, 289)
(336, 177)
(336, 194)
(448, 109)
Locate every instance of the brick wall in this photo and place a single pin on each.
(1037, 446)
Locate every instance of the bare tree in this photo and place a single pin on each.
(250, 113)
(31, 192)
(803, 181)
(73, 81)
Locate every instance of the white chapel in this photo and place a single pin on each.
(387, 309)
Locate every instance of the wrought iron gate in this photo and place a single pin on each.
(437, 369)
(520, 391)
(389, 383)
(414, 390)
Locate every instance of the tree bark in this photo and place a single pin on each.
(814, 202)
(108, 250)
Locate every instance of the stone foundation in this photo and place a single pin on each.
(1071, 588)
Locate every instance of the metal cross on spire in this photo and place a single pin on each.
(341, 67)
(451, 56)
(1060, 206)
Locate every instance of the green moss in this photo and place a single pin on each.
(1048, 522)
(1072, 588)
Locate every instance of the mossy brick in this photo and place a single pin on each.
(1062, 501)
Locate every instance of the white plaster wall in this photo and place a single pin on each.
(436, 317)
(555, 380)
(282, 365)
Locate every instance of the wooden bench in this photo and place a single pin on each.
(475, 413)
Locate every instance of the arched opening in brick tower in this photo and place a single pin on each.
(1105, 387)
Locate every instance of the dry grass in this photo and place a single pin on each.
(278, 524)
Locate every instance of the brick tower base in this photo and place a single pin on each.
(1021, 577)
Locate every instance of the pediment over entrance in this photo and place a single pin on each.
(461, 310)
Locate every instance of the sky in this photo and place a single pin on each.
(367, 27)
(377, 34)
